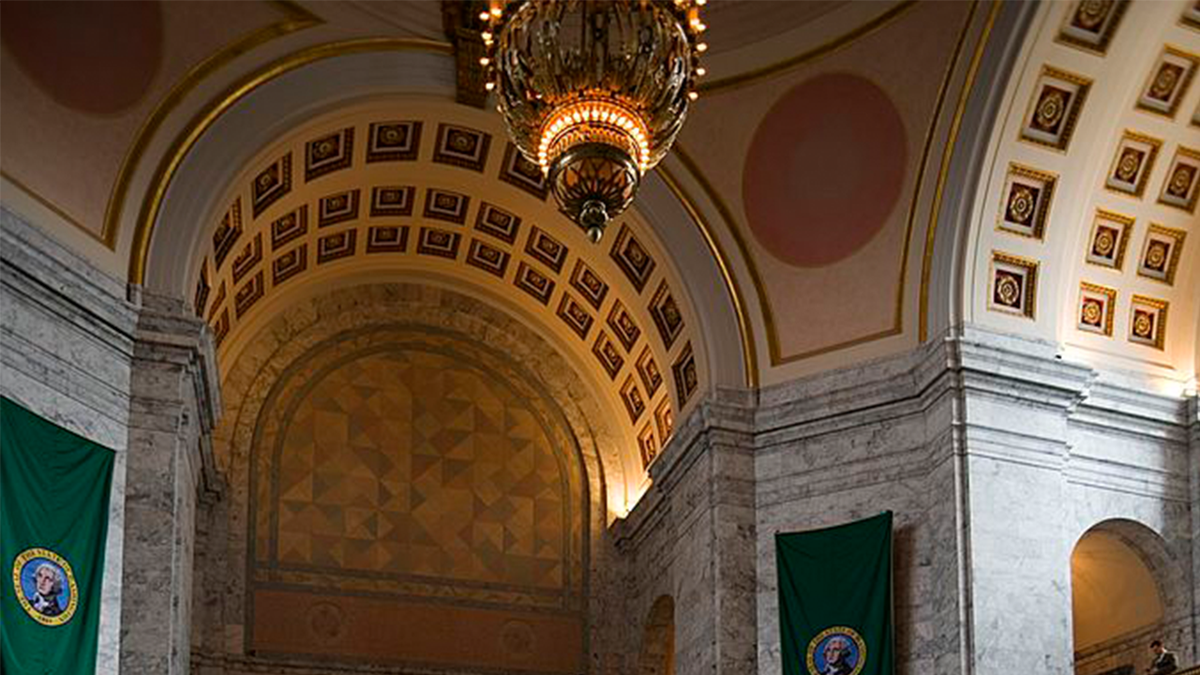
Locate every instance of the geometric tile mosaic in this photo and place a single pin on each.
(409, 470)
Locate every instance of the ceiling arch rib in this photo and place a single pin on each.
(421, 189)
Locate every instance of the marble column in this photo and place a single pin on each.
(173, 399)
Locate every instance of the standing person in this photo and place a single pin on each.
(1164, 660)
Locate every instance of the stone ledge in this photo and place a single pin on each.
(63, 282)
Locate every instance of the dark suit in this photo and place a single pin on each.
(1164, 664)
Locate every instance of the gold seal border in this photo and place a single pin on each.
(19, 564)
(842, 630)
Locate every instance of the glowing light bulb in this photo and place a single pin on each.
(496, 12)
(484, 61)
(701, 72)
(693, 95)
(701, 47)
(483, 16)
(489, 86)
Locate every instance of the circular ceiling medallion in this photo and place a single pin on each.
(824, 170)
(97, 56)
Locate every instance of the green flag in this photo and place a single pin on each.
(835, 599)
(54, 489)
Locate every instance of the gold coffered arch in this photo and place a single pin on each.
(416, 189)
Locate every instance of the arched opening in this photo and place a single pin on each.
(1122, 599)
(658, 639)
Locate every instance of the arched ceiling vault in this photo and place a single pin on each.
(410, 188)
(1085, 212)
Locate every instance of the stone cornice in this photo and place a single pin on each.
(64, 284)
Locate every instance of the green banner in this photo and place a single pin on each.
(835, 599)
(54, 489)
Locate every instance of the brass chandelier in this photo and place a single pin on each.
(593, 91)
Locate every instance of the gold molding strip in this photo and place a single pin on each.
(745, 326)
(217, 106)
(774, 349)
(947, 157)
(297, 19)
(749, 77)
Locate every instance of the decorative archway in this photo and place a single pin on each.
(1127, 590)
(658, 639)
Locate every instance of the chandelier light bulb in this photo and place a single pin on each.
(588, 107)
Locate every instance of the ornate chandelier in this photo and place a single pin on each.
(594, 91)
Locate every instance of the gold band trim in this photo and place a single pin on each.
(947, 156)
(749, 77)
(298, 18)
(209, 114)
(745, 327)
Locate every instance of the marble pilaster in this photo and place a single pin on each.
(692, 537)
(173, 396)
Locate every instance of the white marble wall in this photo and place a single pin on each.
(995, 456)
(66, 345)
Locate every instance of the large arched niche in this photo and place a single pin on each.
(370, 348)
(1127, 589)
(657, 656)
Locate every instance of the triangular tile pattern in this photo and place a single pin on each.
(411, 463)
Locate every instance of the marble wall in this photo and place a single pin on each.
(67, 337)
(995, 456)
(133, 376)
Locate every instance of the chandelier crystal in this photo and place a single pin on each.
(594, 91)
